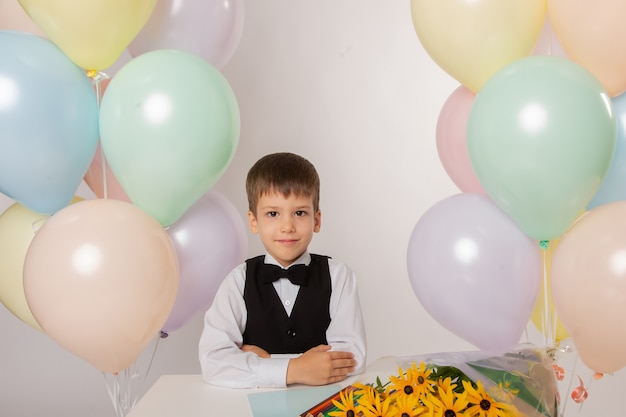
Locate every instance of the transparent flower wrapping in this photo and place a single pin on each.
(523, 376)
(521, 380)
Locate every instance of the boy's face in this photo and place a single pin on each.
(285, 225)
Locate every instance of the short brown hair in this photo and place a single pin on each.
(285, 173)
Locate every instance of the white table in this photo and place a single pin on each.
(190, 396)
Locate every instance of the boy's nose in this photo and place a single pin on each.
(287, 226)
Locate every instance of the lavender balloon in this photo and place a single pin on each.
(474, 270)
(210, 29)
(210, 239)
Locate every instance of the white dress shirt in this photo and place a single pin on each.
(222, 361)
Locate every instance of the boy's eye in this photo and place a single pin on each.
(300, 213)
(272, 213)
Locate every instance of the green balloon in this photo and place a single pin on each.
(541, 135)
(169, 127)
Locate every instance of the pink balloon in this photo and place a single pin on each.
(548, 43)
(13, 17)
(588, 274)
(100, 277)
(210, 29)
(95, 175)
(452, 140)
(474, 270)
(210, 240)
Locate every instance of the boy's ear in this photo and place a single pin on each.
(318, 221)
(252, 223)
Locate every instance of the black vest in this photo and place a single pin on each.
(268, 325)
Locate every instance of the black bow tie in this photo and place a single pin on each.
(296, 273)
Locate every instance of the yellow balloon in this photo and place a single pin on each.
(472, 39)
(93, 34)
(544, 312)
(18, 226)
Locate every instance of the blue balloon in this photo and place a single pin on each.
(613, 187)
(48, 122)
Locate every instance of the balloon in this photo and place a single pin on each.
(544, 315)
(13, 17)
(472, 39)
(591, 33)
(548, 43)
(210, 29)
(102, 181)
(541, 135)
(18, 226)
(613, 185)
(169, 126)
(452, 140)
(589, 286)
(48, 122)
(100, 277)
(474, 270)
(210, 240)
(93, 34)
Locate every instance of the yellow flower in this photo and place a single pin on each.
(508, 387)
(446, 384)
(426, 392)
(446, 403)
(345, 405)
(365, 393)
(377, 408)
(421, 379)
(481, 403)
(408, 406)
(402, 384)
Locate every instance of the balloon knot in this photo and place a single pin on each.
(163, 335)
(543, 244)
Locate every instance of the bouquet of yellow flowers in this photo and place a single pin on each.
(517, 383)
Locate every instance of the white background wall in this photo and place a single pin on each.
(348, 85)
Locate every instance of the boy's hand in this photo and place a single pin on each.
(260, 352)
(318, 366)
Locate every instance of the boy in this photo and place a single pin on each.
(262, 330)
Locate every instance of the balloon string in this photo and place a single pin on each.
(547, 317)
(113, 388)
(143, 382)
(569, 386)
(553, 312)
(96, 78)
(126, 387)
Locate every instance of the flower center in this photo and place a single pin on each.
(408, 389)
(420, 379)
(350, 413)
(449, 413)
(485, 404)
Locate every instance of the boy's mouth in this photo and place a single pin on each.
(287, 241)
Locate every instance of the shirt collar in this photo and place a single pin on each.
(305, 258)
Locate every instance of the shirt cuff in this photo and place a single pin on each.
(273, 372)
(285, 355)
